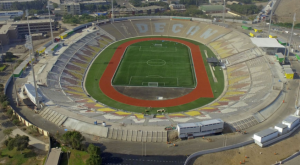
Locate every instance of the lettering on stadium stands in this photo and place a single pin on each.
(176, 28)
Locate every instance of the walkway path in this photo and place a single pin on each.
(33, 141)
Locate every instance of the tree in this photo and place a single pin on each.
(7, 132)
(73, 139)
(55, 5)
(94, 150)
(21, 142)
(94, 160)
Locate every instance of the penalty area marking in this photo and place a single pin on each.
(159, 62)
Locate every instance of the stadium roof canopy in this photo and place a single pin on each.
(266, 43)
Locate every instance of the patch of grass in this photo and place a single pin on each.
(3, 67)
(14, 157)
(102, 61)
(75, 157)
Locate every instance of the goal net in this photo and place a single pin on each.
(160, 45)
(153, 84)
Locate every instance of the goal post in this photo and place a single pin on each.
(153, 84)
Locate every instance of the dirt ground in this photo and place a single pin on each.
(286, 10)
(269, 155)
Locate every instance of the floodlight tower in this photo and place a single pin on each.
(29, 45)
(270, 21)
(50, 22)
(112, 10)
(294, 20)
(224, 9)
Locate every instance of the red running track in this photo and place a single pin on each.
(203, 88)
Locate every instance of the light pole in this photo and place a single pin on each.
(112, 10)
(1, 47)
(50, 22)
(13, 79)
(29, 45)
(270, 22)
(294, 20)
(224, 9)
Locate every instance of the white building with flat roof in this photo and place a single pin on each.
(291, 121)
(200, 128)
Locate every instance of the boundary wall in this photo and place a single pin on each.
(196, 154)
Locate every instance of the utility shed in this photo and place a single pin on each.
(265, 135)
(282, 129)
(288, 72)
(279, 57)
(291, 121)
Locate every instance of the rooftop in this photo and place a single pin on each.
(187, 125)
(213, 121)
(266, 42)
(290, 119)
(10, 10)
(266, 132)
(4, 29)
(280, 125)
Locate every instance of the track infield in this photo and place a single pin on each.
(107, 62)
(156, 63)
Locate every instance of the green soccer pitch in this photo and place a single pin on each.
(156, 63)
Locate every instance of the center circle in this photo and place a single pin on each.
(156, 62)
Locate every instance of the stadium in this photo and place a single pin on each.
(153, 71)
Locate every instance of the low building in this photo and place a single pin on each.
(6, 5)
(265, 135)
(8, 33)
(268, 45)
(119, 12)
(14, 13)
(69, 8)
(209, 9)
(291, 121)
(187, 130)
(279, 57)
(282, 129)
(177, 7)
(36, 26)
